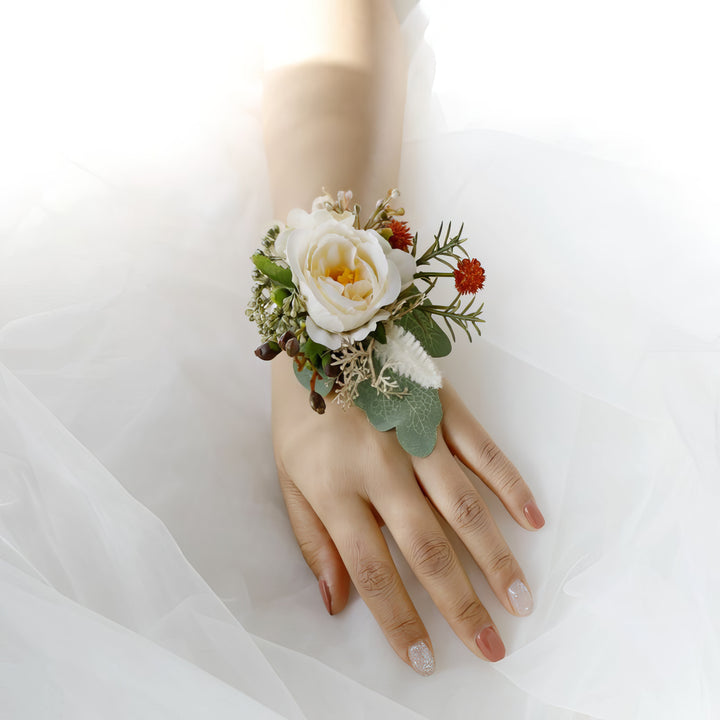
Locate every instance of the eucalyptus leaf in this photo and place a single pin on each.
(427, 331)
(278, 274)
(323, 385)
(415, 416)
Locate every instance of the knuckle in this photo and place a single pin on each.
(470, 610)
(491, 455)
(402, 627)
(433, 555)
(507, 479)
(376, 577)
(500, 562)
(469, 513)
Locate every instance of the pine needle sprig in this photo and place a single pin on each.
(454, 313)
(444, 246)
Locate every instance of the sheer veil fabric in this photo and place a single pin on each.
(147, 568)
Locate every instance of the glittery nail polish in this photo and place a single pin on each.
(520, 598)
(421, 658)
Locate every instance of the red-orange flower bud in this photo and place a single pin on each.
(469, 276)
(401, 238)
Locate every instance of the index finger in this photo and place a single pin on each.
(367, 558)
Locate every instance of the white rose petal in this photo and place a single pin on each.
(405, 263)
(345, 276)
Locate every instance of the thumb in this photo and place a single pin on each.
(317, 548)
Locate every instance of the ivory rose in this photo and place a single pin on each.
(345, 276)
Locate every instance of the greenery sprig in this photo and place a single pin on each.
(461, 317)
(385, 365)
(448, 249)
(442, 246)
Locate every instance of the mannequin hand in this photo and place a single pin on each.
(341, 479)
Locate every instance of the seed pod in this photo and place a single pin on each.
(317, 402)
(265, 352)
(292, 346)
(284, 338)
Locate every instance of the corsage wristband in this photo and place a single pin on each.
(349, 303)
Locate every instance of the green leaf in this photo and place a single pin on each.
(279, 294)
(379, 333)
(278, 274)
(313, 352)
(323, 385)
(427, 331)
(414, 416)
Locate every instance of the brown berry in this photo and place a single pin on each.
(330, 370)
(292, 346)
(266, 352)
(289, 334)
(317, 402)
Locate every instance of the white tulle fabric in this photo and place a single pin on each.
(147, 568)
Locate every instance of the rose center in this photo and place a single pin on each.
(344, 275)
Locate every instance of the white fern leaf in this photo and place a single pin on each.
(403, 353)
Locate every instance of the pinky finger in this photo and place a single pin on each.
(470, 442)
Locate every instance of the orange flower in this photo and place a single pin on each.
(469, 276)
(401, 238)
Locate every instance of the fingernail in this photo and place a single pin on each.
(520, 598)
(421, 658)
(325, 592)
(533, 514)
(490, 644)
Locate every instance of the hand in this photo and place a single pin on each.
(341, 479)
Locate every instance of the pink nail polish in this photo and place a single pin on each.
(533, 514)
(325, 592)
(490, 644)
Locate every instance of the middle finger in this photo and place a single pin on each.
(459, 502)
(432, 558)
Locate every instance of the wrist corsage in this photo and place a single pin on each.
(349, 303)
